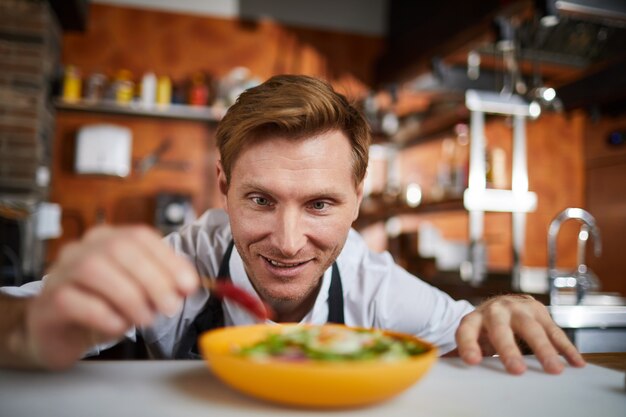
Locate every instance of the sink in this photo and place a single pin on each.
(592, 299)
(580, 316)
(596, 325)
(593, 328)
(598, 309)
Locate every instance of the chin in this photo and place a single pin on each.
(284, 294)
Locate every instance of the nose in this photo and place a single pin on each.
(289, 233)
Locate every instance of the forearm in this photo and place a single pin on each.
(14, 347)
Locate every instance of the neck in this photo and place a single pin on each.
(292, 311)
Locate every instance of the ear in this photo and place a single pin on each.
(222, 184)
(359, 198)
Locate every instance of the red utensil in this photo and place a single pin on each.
(228, 290)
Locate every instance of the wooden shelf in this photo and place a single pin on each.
(171, 111)
(376, 209)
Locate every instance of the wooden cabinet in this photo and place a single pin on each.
(606, 199)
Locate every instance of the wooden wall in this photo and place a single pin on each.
(606, 200)
(179, 45)
(88, 199)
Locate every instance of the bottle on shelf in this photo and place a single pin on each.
(453, 166)
(164, 91)
(72, 84)
(460, 165)
(180, 91)
(148, 89)
(495, 168)
(198, 90)
(443, 185)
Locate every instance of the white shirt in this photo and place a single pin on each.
(377, 292)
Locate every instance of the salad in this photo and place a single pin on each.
(331, 343)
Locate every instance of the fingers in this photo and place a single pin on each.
(467, 336)
(497, 324)
(496, 328)
(90, 311)
(547, 340)
(131, 269)
(503, 320)
(184, 275)
(63, 324)
(132, 263)
(111, 284)
(564, 345)
(531, 331)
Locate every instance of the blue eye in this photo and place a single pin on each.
(261, 201)
(319, 205)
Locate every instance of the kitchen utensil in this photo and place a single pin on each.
(148, 161)
(226, 289)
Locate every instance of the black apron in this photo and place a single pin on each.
(212, 314)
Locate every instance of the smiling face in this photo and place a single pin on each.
(291, 204)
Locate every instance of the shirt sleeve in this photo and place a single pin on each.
(29, 289)
(34, 288)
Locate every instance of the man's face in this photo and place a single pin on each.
(291, 204)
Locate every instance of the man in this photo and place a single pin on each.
(293, 159)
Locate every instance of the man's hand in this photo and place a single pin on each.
(496, 325)
(111, 280)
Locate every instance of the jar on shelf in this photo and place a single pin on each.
(124, 87)
(96, 84)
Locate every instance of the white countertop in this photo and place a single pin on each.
(188, 388)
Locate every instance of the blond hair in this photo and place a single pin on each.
(295, 107)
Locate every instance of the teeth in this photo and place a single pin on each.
(281, 265)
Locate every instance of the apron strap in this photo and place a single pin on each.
(210, 317)
(335, 298)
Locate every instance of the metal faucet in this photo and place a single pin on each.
(582, 279)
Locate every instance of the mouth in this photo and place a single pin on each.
(283, 265)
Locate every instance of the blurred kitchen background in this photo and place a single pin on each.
(490, 118)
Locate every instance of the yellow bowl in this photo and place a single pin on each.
(310, 383)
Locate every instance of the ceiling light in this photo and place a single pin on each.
(473, 65)
(390, 124)
(548, 94)
(534, 109)
(549, 21)
(413, 194)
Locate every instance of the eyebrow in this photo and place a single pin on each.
(251, 186)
